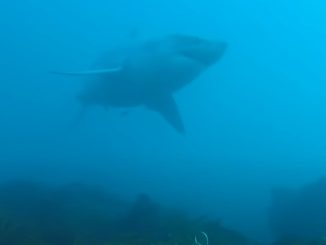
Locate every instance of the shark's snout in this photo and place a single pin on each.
(219, 50)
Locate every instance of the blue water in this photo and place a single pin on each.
(254, 121)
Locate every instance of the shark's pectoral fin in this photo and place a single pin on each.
(89, 73)
(167, 107)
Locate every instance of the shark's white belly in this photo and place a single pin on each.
(147, 77)
(161, 72)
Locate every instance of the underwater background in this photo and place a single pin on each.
(255, 122)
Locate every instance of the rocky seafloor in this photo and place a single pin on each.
(38, 214)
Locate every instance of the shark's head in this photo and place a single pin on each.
(198, 49)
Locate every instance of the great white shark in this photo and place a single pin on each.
(148, 73)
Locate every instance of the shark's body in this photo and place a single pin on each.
(149, 73)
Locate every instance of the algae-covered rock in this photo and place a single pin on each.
(299, 213)
(300, 241)
(35, 214)
(14, 232)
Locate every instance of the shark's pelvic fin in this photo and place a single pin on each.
(167, 107)
(89, 73)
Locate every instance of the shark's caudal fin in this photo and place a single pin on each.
(89, 73)
(168, 109)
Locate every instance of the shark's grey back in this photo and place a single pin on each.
(116, 88)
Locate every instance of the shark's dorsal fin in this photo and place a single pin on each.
(89, 73)
(168, 109)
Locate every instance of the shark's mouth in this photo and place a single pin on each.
(203, 59)
(207, 54)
